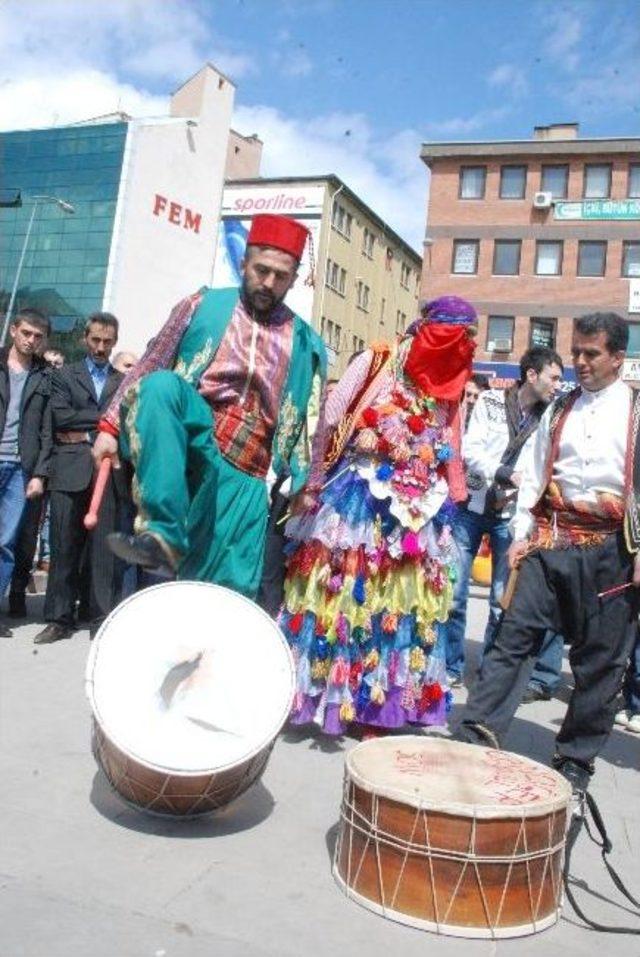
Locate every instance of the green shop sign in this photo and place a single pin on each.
(598, 209)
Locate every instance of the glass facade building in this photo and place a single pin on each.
(66, 259)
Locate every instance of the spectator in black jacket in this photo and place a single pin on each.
(35, 520)
(80, 392)
(25, 432)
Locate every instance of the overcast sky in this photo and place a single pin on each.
(335, 86)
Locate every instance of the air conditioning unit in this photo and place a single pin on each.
(499, 345)
(542, 200)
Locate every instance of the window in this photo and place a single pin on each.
(368, 239)
(543, 333)
(383, 305)
(401, 322)
(555, 180)
(631, 260)
(633, 349)
(335, 277)
(362, 295)
(357, 344)
(513, 182)
(341, 220)
(633, 186)
(506, 257)
(465, 256)
(472, 182)
(500, 333)
(597, 181)
(549, 257)
(330, 332)
(592, 258)
(405, 275)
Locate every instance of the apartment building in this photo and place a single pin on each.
(534, 233)
(359, 281)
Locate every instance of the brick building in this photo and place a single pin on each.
(534, 233)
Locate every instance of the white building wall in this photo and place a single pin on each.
(165, 231)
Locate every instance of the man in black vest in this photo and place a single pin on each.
(81, 391)
(499, 436)
(25, 433)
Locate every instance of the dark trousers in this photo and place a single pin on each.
(271, 592)
(557, 590)
(81, 562)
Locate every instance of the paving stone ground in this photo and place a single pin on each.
(83, 875)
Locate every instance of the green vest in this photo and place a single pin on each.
(300, 400)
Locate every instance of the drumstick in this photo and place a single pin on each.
(507, 594)
(91, 518)
(614, 590)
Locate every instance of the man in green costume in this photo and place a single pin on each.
(227, 394)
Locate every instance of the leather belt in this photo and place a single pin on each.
(72, 438)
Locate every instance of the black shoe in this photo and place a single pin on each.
(5, 631)
(52, 632)
(144, 550)
(535, 693)
(578, 775)
(17, 604)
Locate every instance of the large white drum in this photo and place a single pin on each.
(189, 684)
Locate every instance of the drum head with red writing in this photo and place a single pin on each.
(452, 777)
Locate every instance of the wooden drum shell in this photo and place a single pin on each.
(169, 794)
(457, 874)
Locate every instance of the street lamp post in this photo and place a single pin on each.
(66, 208)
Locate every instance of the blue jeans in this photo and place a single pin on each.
(13, 481)
(468, 529)
(631, 686)
(547, 670)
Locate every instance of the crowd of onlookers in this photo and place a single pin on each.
(49, 410)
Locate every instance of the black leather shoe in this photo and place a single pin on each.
(5, 631)
(144, 550)
(52, 632)
(17, 605)
(535, 693)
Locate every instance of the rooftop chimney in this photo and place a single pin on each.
(557, 131)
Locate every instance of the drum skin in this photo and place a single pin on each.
(189, 685)
(454, 874)
(186, 795)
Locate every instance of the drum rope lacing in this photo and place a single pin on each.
(374, 833)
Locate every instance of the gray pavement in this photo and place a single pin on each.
(83, 875)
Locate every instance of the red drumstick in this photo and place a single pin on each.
(91, 518)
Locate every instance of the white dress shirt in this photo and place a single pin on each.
(591, 455)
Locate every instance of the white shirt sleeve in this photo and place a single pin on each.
(533, 480)
(476, 450)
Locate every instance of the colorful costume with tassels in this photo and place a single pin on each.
(372, 563)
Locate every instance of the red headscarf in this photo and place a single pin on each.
(440, 357)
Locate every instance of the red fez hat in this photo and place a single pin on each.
(280, 232)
